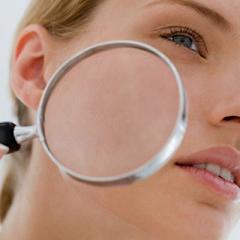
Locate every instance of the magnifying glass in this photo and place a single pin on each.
(114, 113)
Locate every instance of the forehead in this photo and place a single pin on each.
(216, 4)
(230, 10)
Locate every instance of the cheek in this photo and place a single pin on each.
(118, 105)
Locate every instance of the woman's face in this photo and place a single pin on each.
(202, 39)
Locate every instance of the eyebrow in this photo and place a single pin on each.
(211, 14)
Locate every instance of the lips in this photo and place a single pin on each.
(225, 156)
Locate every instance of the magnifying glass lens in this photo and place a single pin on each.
(111, 113)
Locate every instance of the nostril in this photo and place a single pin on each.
(232, 118)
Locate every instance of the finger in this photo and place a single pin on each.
(3, 150)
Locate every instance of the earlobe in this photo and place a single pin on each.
(27, 73)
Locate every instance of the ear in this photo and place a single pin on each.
(28, 65)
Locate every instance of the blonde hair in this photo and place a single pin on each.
(62, 19)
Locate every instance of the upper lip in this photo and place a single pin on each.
(225, 156)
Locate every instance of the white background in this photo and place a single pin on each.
(10, 13)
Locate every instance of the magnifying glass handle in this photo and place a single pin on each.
(7, 137)
(13, 136)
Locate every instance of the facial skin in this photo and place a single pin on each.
(169, 205)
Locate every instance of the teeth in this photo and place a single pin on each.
(216, 170)
(213, 168)
(226, 175)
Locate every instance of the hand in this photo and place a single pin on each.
(3, 150)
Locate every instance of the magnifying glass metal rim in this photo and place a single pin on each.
(143, 171)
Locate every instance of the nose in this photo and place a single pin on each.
(224, 95)
(226, 111)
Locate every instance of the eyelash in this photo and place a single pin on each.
(187, 32)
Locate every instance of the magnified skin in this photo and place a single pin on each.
(131, 112)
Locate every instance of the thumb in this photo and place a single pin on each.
(3, 150)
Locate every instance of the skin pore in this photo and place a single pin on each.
(169, 205)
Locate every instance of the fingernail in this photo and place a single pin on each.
(4, 149)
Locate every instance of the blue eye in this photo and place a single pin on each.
(184, 41)
(185, 37)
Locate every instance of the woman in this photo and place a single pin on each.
(202, 39)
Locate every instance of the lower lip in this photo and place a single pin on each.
(216, 184)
